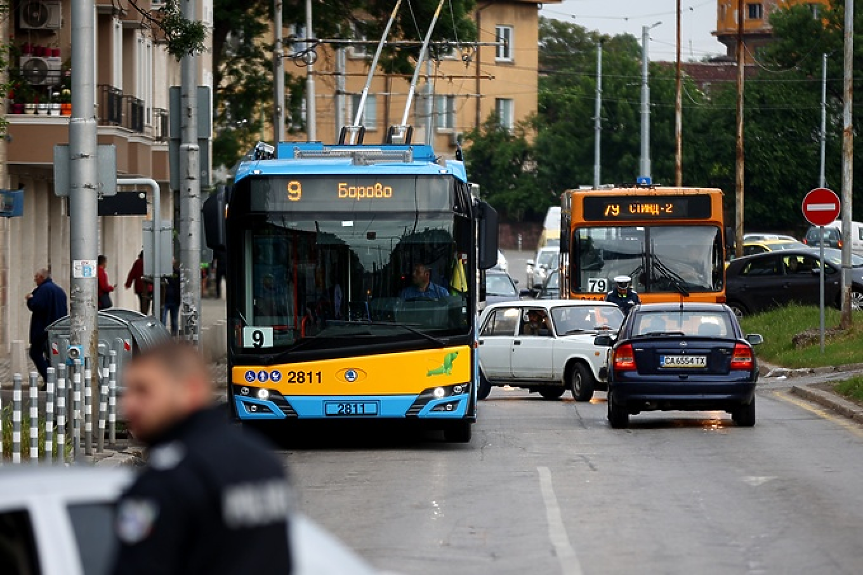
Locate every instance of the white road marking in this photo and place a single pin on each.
(569, 564)
(755, 480)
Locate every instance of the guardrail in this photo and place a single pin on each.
(55, 434)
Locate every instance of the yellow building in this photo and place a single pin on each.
(467, 86)
(757, 30)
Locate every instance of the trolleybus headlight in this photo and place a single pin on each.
(439, 392)
(263, 394)
(457, 390)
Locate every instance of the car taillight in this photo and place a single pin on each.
(805, 241)
(624, 358)
(839, 243)
(742, 357)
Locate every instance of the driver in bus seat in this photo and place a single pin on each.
(590, 258)
(423, 287)
(272, 299)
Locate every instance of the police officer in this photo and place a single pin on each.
(212, 499)
(623, 295)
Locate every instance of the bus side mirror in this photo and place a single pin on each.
(214, 212)
(487, 236)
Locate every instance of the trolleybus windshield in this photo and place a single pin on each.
(348, 270)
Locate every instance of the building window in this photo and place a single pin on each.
(357, 50)
(504, 109)
(755, 11)
(503, 34)
(445, 112)
(816, 10)
(370, 112)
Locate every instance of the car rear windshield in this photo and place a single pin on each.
(830, 234)
(574, 319)
(687, 323)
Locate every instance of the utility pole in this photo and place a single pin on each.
(340, 92)
(83, 192)
(311, 113)
(278, 75)
(678, 113)
(847, 162)
(190, 192)
(429, 105)
(597, 113)
(645, 101)
(738, 188)
(822, 179)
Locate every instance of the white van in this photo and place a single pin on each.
(833, 236)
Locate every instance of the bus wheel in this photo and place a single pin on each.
(458, 432)
(551, 392)
(738, 308)
(484, 386)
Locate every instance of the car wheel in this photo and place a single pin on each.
(484, 387)
(856, 300)
(738, 308)
(551, 392)
(618, 417)
(745, 415)
(581, 383)
(459, 432)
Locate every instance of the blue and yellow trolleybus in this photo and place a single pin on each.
(352, 285)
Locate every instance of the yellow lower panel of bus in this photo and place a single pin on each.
(408, 372)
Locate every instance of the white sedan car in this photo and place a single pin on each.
(545, 346)
(57, 521)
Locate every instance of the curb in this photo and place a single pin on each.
(128, 458)
(831, 401)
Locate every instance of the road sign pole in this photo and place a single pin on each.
(821, 283)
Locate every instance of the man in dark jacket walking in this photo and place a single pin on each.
(48, 304)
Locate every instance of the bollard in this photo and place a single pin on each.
(34, 417)
(76, 410)
(103, 408)
(61, 413)
(112, 398)
(49, 416)
(88, 408)
(16, 418)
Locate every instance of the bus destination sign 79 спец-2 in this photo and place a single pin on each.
(615, 208)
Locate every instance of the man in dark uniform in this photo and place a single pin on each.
(212, 499)
(48, 304)
(623, 295)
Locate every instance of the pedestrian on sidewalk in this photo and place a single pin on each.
(48, 304)
(143, 288)
(172, 299)
(220, 262)
(212, 499)
(105, 287)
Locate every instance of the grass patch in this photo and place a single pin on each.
(780, 325)
(851, 388)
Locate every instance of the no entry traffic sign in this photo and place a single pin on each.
(821, 206)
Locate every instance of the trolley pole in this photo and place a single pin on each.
(597, 117)
(311, 113)
(190, 193)
(678, 112)
(278, 76)
(84, 177)
(645, 100)
(738, 188)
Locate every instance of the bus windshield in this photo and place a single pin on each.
(657, 258)
(340, 278)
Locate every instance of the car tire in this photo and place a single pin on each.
(458, 432)
(551, 393)
(618, 417)
(581, 383)
(856, 300)
(738, 308)
(744, 416)
(484, 387)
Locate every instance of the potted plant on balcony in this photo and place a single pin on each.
(66, 90)
(54, 106)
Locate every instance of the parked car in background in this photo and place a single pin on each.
(545, 346)
(499, 287)
(760, 237)
(59, 521)
(681, 356)
(538, 269)
(551, 287)
(763, 281)
(833, 236)
(762, 246)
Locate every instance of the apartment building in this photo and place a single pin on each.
(133, 76)
(456, 93)
(757, 30)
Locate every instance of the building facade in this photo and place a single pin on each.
(757, 30)
(133, 75)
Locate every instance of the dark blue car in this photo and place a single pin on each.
(673, 356)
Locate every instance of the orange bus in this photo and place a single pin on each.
(670, 241)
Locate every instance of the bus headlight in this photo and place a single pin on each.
(439, 392)
(263, 394)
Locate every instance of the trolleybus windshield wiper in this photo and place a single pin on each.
(413, 330)
(666, 272)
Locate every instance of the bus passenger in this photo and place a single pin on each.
(624, 296)
(423, 287)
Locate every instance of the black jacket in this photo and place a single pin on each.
(625, 303)
(212, 500)
(48, 304)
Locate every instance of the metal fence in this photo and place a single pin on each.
(66, 434)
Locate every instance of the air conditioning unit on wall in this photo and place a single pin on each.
(39, 71)
(455, 138)
(40, 15)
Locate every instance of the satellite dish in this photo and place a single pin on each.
(35, 14)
